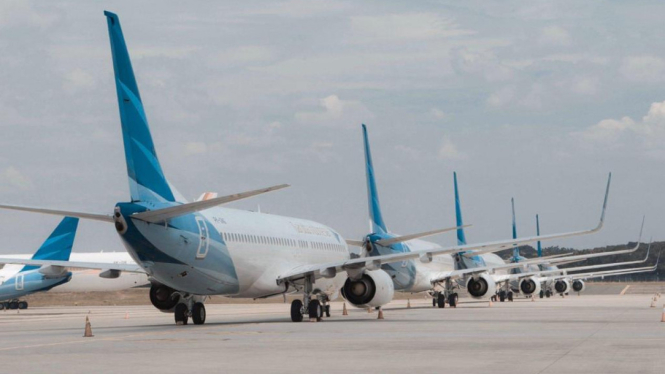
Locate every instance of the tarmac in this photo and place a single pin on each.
(576, 334)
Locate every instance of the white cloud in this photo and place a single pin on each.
(448, 151)
(336, 112)
(501, 98)
(404, 27)
(78, 80)
(437, 113)
(648, 69)
(193, 148)
(585, 85)
(554, 35)
(650, 131)
(15, 178)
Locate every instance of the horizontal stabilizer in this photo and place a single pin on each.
(93, 216)
(404, 238)
(162, 215)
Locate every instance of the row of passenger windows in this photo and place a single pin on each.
(272, 240)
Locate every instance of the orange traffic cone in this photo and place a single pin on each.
(408, 303)
(344, 311)
(380, 313)
(126, 315)
(490, 305)
(88, 328)
(662, 319)
(369, 310)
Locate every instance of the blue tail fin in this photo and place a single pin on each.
(516, 250)
(461, 237)
(540, 249)
(375, 217)
(146, 178)
(59, 244)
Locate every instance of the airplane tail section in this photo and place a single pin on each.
(146, 178)
(516, 250)
(539, 247)
(461, 237)
(375, 217)
(59, 244)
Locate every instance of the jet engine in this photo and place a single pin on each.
(578, 285)
(163, 298)
(562, 286)
(529, 286)
(373, 289)
(481, 286)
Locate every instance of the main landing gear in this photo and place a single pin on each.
(316, 307)
(439, 299)
(14, 304)
(505, 295)
(189, 308)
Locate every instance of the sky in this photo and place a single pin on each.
(534, 100)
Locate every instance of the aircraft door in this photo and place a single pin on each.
(204, 238)
(19, 282)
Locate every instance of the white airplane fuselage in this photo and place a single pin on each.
(244, 257)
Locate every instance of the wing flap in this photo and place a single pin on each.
(131, 268)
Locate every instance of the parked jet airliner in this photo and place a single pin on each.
(27, 279)
(191, 250)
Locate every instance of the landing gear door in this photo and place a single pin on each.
(204, 238)
(19, 282)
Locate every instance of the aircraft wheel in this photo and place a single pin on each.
(296, 311)
(199, 314)
(452, 300)
(441, 300)
(181, 314)
(510, 296)
(13, 305)
(327, 311)
(23, 305)
(434, 302)
(502, 296)
(548, 293)
(2, 306)
(542, 294)
(315, 310)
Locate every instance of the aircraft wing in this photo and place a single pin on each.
(329, 270)
(153, 216)
(130, 268)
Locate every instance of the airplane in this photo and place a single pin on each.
(192, 250)
(522, 275)
(465, 266)
(545, 279)
(26, 279)
(94, 280)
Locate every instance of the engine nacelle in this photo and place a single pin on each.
(529, 286)
(562, 286)
(579, 285)
(163, 298)
(374, 288)
(482, 286)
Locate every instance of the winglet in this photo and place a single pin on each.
(376, 218)
(461, 237)
(539, 247)
(607, 194)
(516, 250)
